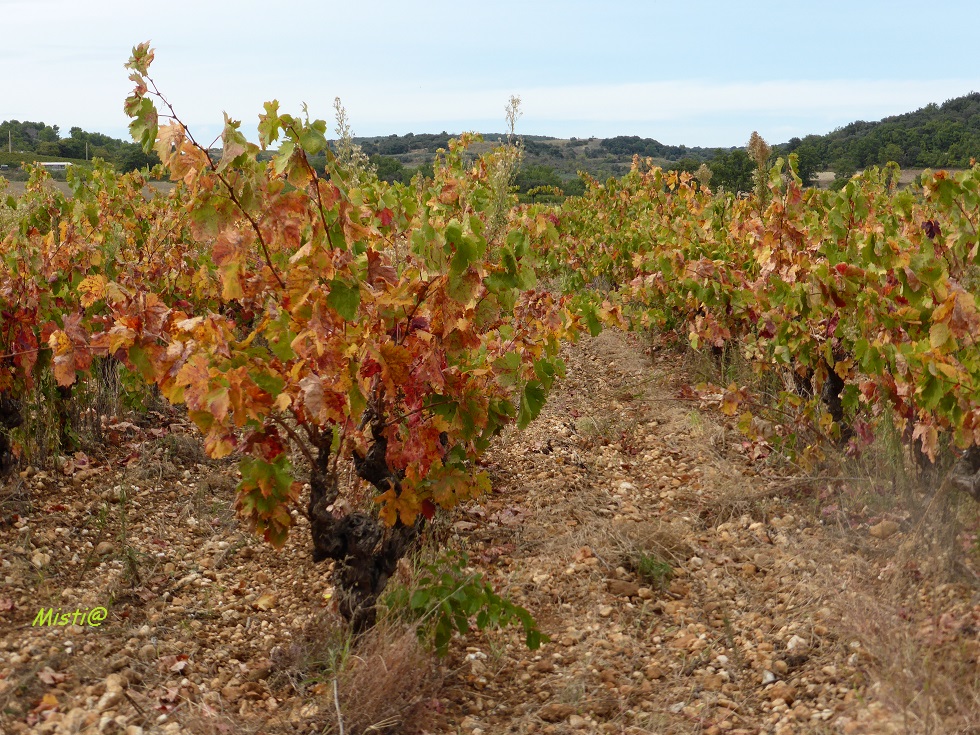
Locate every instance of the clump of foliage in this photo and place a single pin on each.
(447, 596)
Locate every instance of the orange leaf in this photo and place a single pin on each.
(397, 360)
(64, 357)
(229, 255)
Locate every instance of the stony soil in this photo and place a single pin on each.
(686, 589)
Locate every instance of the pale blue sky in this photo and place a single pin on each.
(696, 73)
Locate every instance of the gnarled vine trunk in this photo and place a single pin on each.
(832, 396)
(965, 474)
(10, 418)
(366, 551)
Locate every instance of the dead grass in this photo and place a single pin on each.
(656, 539)
(934, 684)
(911, 599)
(382, 681)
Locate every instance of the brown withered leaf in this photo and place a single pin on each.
(51, 677)
(378, 271)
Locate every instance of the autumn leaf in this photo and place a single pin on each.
(730, 402)
(229, 257)
(195, 377)
(51, 677)
(48, 702)
(379, 273)
(928, 438)
(168, 142)
(939, 335)
(64, 357)
(396, 360)
(93, 289)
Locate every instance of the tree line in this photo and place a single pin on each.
(37, 140)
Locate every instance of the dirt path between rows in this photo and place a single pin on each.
(685, 589)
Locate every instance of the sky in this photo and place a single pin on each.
(698, 73)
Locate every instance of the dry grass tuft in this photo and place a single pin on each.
(912, 609)
(664, 541)
(382, 681)
(926, 678)
(388, 683)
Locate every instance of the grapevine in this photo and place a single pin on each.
(298, 313)
(864, 301)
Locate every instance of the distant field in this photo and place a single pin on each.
(825, 178)
(17, 187)
(823, 181)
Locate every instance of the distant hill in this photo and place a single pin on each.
(547, 162)
(935, 136)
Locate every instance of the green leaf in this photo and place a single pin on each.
(281, 160)
(497, 282)
(140, 360)
(420, 599)
(931, 393)
(443, 634)
(532, 401)
(312, 141)
(510, 362)
(282, 347)
(466, 253)
(271, 384)
(344, 299)
(269, 124)
(143, 128)
(592, 319)
(141, 58)
(546, 371)
(938, 335)
(526, 277)
(233, 144)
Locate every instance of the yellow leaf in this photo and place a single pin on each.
(63, 363)
(388, 512)
(115, 293)
(729, 404)
(48, 702)
(92, 288)
(938, 335)
(121, 337)
(59, 343)
(218, 443)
